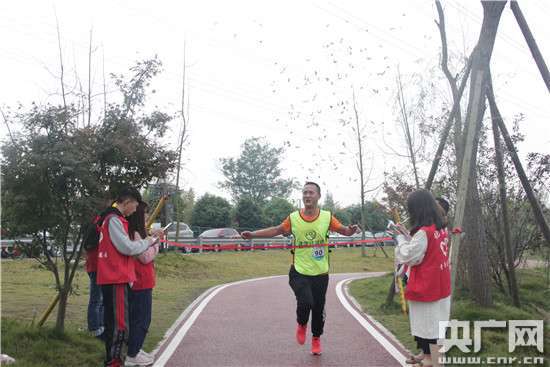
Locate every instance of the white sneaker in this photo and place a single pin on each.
(139, 360)
(146, 354)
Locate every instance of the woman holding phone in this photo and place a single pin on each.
(429, 285)
(141, 293)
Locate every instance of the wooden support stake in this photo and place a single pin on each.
(543, 69)
(48, 311)
(156, 212)
(535, 206)
(447, 128)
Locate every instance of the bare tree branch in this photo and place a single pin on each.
(406, 127)
(60, 62)
(90, 79)
(104, 88)
(8, 127)
(182, 134)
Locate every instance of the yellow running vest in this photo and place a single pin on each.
(311, 260)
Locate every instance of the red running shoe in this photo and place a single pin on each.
(316, 345)
(301, 333)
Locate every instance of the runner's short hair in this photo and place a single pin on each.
(314, 184)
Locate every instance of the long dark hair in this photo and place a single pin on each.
(136, 221)
(423, 211)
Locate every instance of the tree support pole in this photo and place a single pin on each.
(535, 206)
(543, 69)
(48, 311)
(499, 157)
(447, 129)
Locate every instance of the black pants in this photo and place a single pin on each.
(140, 319)
(424, 344)
(115, 320)
(310, 294)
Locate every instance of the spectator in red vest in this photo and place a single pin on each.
(429, 285)
(116, 273)
(141, 293)
(95, 301)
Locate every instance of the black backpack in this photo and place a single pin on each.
(91, 234)
(93, 229)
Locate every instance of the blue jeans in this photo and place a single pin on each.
(95, 307)
(141, 304)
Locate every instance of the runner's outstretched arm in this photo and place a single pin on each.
(348, 230)
(263, 233)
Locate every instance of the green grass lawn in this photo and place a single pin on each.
(27, 289)
(535, 296)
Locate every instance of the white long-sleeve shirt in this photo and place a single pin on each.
(411, 252)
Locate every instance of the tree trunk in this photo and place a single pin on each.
(509, 269)
(362, 176)
(61, 310)
(476, 253)
(479, 280)
(182, 138)
(406, 128)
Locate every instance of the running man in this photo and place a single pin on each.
(308, 276)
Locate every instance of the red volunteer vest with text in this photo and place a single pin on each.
(112, 266)
(431, 279)
(145, 276)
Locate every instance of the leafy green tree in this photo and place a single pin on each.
(179, 206)
(375, 214)
(276, 210)
(59, 170)
(343, 216)
(329, 203)
(256, 173)
(185, 203)
(248, 215)
(211, 211)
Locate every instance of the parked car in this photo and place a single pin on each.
(220, 233)
(184, 231)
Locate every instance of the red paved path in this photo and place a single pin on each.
(253, 324)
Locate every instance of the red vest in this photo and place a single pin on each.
(431, 279)
(112, 266)
(91, 260)
(145, 276)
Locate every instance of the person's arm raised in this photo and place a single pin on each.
(336, 226)
(263, 233)
(348, 230)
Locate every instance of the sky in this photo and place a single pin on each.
(283, 70)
